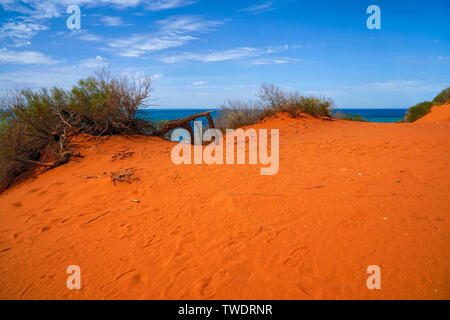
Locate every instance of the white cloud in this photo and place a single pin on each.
(260, 8)
(18, 33)
(156, 76)
(47, 9)
(137, 45)
(411, 86)
(231, 54)
(425, 60)
(277, 49)
(186, 24)
(174, 32)
(94, 63)
(158, 5)
(442, 58)
(113, 21)
(25, 57)
(34, 8)
(200, 83)
(225, 55)
(84, 35)
(275, 61)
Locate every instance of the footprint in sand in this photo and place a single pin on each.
(4, 250)
(139, 278)
(207, 290)
(301, 260)
(310, 287)
(296, 258)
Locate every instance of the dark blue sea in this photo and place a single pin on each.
(372, 115)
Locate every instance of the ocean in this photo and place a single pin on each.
(372, 115)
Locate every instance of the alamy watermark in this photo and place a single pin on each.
(374, 21)
(74, 20)
(220, 152)
(74, 280)
(374, 281)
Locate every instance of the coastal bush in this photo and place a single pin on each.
(271, 99)
(349, 117)
(442, 97)
(104, 104)
(237, 114)
(418, 111)
(36, 126)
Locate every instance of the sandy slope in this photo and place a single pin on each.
(348, 195)
(438, 113)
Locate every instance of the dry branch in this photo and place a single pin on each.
(124, 175)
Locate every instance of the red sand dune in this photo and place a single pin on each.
(348, 195)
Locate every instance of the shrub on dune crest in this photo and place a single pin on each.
(349, 117)
(236, 114)
(419, 110)
(104, 104)
(271, 100)
(442, 97)
(36, 126)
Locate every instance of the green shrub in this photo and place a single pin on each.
(442, 97)
(236, 114)
(349, 117)
(271, 99)
(103, 104)
(418, 111)
(36, 126)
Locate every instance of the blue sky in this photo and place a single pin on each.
(201, 52)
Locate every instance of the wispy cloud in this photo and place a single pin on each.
(174, 32)
(156, 76)
(94, 63)
(425, 60)
(25, 57)
(37, 9)
(19, 33)
(187, 23)
(398, 86)
(138, 45)
(224, 55)
(199, 83)
(443, 58)
(158, 5)
(83, 35)
(113, 21)
(46, 9)
(283, 60)
(231, 54)
(260, 8)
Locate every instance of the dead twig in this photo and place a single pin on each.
(97, 217)
(154, 182)
(120, 155)
(124, 175)
(315, 187)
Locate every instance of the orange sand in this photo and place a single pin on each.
(438, 113)
(348, 195)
